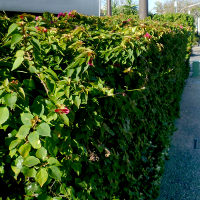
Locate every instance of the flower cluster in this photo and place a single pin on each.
(61, 14)
(62, 110)
(147, 35)
(41, 29)
(71, 15)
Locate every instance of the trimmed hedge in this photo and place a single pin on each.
(88, 104)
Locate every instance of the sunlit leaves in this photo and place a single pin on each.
(4, 114)
(31, 161)
(54, 172)
(25, 149)
(34, 140)
(41, 176)
(44, 130)
(41, 153)
(26, 118)
(23, 131)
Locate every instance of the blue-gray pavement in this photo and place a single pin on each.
(181, 179)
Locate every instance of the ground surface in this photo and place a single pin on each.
(181, 180)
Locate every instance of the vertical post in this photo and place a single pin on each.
(175, 6)
(198, 25)
(109, 8)
(143, 9)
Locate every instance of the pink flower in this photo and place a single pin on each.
(129, 20)
(44, 30)
(38, 29)
(61, 14)
(147, 35)
(37, 18)
(90, 63)
(70, 14)
(62, 110)
(181, 27)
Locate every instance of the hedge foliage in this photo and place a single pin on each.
(88, 104)
(184, 19)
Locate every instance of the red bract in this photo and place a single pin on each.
(21, 17)
(90, 63)
(61, 14)
(147, 35)
(70, 14)
(38, 29)
(62, 110)
(44, 30)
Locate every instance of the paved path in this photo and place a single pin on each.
(181, 180)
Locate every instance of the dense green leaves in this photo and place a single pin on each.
(85, 103)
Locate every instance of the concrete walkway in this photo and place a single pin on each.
(181, 180)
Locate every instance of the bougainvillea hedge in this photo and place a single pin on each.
(87, 105)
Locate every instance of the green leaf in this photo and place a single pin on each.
(10, 99)
(31, 161)
(77, 101)
(42, 176)
(11, 29)
(32, 69)
(70, 72)
(26, 118)
(12, 152)
(24, 150)
(17, 63)
(18, 162)
(53, 161)
(29, 172)
(23, 131)
(4, 114)
(54, 172)
(36, 44)
(14, 143)
(44, 130)
(77, 167)
(34, 140)
(67, 91)
(22, 93)
(33, 188)
(65, 119)
(41, 153)
(16, 171)
(15, 39)
(19, 53)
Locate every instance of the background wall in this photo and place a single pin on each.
(88, 7)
